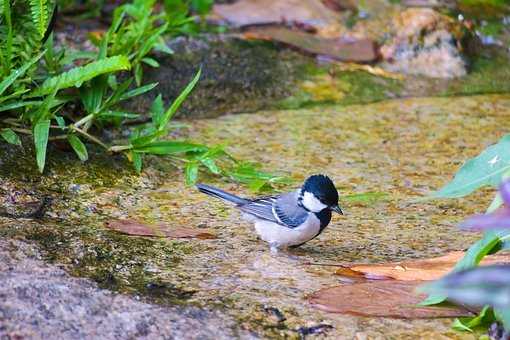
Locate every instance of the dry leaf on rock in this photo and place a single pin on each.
(303, 13)
(136, 228)
(395, 299)
(363, 50)
(427, 269)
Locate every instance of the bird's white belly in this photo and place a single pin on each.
(282, 236)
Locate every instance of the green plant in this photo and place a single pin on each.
(489, 168)
(35, 96)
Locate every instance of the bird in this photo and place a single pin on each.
(290, 219)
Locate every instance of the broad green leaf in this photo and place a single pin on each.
(157, 110)
(485, 169)
(41, 133)
(92, 95)
(169, 147)
(211, 165)
(138, 91)
(78, 75)
(178, 101)
(10, 136)
(137, 161)
(60, 122)
(483, 320)
(191, 173)
(18, 104)
(15, 74)
(150, 62)
(78, 147)
(146, 138)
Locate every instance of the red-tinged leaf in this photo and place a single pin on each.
(426, 269)
(393, 299)
(363, 50)
(136, 228)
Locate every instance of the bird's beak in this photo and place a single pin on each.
(337, 209)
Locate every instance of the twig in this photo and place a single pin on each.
(20, 130)
(89, 136)
(119, 148)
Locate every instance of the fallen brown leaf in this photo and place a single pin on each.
(395, 299)
(302, 13)
(363, 50)
(427, 269)
(136, 228)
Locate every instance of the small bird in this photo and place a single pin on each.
(290, 219)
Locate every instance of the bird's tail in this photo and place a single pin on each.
(215, 192)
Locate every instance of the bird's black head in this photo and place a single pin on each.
(318, 192)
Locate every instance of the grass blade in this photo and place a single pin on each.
(41, 133)
(79, 148)
(178, 101)
(15, 74)
(10, 136)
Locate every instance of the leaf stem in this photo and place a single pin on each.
(119, 148)
(84, 120)
(89, 136)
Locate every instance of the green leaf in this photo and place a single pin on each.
(490, 243)
(157, 110)
(485, 169)
(138, 91)
(169, 147)
(178, 101)
(503, 315)
(18, 104)
(15, 74)
(211, 165)
(78, 75)
(191, 173)
(137, 161)
(78, 147)
(10, 136)
(60, 122)
(39, 9)
(150, 62)
(41, 133)
(481, 321)
(138, 74)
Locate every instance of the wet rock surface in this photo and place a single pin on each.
(42, 301)
(403, 148)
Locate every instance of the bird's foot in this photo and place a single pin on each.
(282, 253)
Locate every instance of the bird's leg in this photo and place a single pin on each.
(273, 247)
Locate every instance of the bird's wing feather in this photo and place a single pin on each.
(261, 208)
(289, 212)
(283, 210)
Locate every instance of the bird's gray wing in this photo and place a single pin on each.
(261, 208)
(288, 211)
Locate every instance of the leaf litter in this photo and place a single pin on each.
(136, 228)
(389, 289)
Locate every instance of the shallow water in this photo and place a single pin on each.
(404, 148)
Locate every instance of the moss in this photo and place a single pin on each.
(488, 74)
(116, 262)
(328, 85)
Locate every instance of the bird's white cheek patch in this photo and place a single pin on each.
(311, 203)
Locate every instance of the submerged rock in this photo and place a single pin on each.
(40, 300)
(424, 43)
